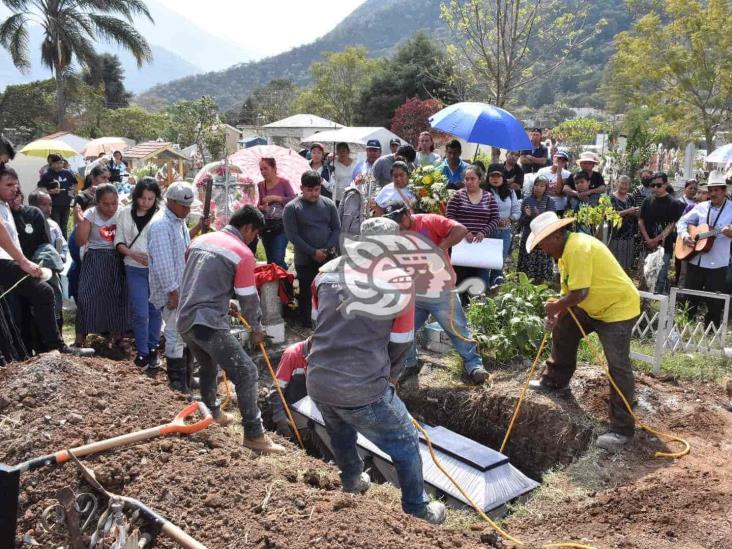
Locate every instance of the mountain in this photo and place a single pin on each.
(378, 25)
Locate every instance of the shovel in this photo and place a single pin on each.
(178, 425)
(165, 526)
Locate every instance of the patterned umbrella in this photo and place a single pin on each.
(106, 145)
(290, 165)
(227, 196)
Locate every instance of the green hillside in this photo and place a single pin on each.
(381, 26)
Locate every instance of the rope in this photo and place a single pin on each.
(687, 446)
(475, 506)
(295, 430)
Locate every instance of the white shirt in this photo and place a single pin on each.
(7, 219)
(560, 200)
(427, 159)
(389, 193)
(718, 256)
(342, 175)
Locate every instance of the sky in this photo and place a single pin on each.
(244, 22)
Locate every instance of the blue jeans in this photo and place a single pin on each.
(662, 282)
(387, 423)
(146, 319)
(448, 305)
(505, 234)
(275, 246)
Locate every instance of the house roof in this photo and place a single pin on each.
(304, 121)
(152, 148)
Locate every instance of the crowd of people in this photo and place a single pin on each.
(140, 269)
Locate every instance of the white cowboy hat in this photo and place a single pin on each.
(542, 226)
(589, 156)
(716, 179)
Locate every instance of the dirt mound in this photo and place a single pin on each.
(206, 483)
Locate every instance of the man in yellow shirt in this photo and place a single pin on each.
(604, 300)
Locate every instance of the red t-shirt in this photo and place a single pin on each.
(434, 226)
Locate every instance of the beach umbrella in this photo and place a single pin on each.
(483, 124)
(41, 148)
(290, 164)
(106, 145)
(722, 155)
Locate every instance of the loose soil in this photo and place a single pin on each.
(213, 488)
(206, 483)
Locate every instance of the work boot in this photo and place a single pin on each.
(153, 359)
(263, 445)
(478, 376)
(409, 372)
(613, 442)
(177, 375)
(436, 512)
(193, 381)
(142, 362)
(541, 387)
(223, 419)
(361, 485)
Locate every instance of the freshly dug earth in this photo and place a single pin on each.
(206, 483)
(630, 499)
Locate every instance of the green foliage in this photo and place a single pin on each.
(419, 69)
(188, 120)
(510, 325)
(594, 217)
(148, 170)
(579, 131)
(70, 30)
(338, 82)
(507, 44)
(677, 60)
(643, 131)
(28, 109)
(133, 123)
(268, 103)
(107, 73)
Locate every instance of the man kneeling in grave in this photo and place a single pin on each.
(363, 309)
(604, 300)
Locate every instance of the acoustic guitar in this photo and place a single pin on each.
(702, 235)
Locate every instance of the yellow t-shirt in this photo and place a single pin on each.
(587, 263)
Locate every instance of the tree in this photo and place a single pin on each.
(70, 30)
(337, 84)
(28, 109)
(579, 131)
(507, 44)
(108, 73)
(419, 69)
(677, 60)
(412, 117)
(134, 123)
(189, 122)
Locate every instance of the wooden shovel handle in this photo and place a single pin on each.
(178, 425)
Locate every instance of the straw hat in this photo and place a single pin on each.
(542, 226)
(589, 156)
(716, 179)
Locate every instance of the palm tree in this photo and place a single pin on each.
(70, 29)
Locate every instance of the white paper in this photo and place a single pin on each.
(486, 254)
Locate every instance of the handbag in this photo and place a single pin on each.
(273, 224)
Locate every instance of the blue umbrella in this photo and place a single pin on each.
(722, 155)
(484, 124)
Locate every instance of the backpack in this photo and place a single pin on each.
(350, 211)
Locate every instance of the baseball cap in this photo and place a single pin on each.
(395, 211)
(561, 154)
(395, 141)
(373, 144)
(379, 225)
(180, 192)
(317, 146)
(496, 168)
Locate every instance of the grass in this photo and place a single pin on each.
(692, 366)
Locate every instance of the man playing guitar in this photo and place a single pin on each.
(707, 271)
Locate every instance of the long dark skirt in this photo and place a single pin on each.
(102, 296)
(537, 265)
(623, 249)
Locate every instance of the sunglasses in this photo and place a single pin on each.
(658, 185)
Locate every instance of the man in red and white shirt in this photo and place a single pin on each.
(219, 266)
(444, 303)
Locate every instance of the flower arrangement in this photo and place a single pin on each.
(429, 186)
(226, 196)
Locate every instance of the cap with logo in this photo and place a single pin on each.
(395, 211)
(373, 144)
(180, 192)
(496, 168)
(561, 154)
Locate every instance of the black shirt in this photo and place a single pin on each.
(515, 175)
(596, 180)
(539, 152)
(64, 180)
(657, 213)
(32, 229)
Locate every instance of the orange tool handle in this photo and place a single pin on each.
(178, 425)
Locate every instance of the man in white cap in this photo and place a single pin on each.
(167, 242)
(604, 300)
(708, 271)
(587, 161)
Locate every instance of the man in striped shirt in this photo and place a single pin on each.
(353, 361)
(216, 262)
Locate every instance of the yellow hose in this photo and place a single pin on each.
(475, 505)
(295, 430)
